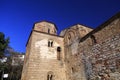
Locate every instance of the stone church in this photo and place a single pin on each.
(78, 53)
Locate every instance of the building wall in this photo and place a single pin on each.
(26, 59)
(45, 27)
(101, 53)
(74, 69)
(86, 54)
(43, 59)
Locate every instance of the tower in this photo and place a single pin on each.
(44, 54)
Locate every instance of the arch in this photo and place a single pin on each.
(50, 75)
(50, 43)
(70, 36)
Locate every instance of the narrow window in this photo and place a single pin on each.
(58, 49)
(51, 43)
(58, 53)
(48, 43)
(48, 30)
(50, 76)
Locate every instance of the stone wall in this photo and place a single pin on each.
(46, 27)
(26, 59)
(85, 54)
(101, 55)
(74, 67)
(41, 59)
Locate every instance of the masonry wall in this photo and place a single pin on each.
(46, 27)
(74, 67)
(100, 53)
(26, 59)
(85, 54)
(43, 59)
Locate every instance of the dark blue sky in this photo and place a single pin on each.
(18, 16)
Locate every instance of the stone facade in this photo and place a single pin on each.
(100, 52)
(44, 55)
(82, 53)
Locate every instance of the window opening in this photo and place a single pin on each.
(50, 43)
(48, 30)
(59, 49)
(50, 76)
(58, 52)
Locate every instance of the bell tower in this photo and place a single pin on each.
(44, 54)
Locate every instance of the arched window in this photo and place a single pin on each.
(58, 49)
(50, 43)
(50, 75)
(58, 52)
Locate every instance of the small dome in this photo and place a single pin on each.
(46, 27)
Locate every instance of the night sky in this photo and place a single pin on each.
(18, 16)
